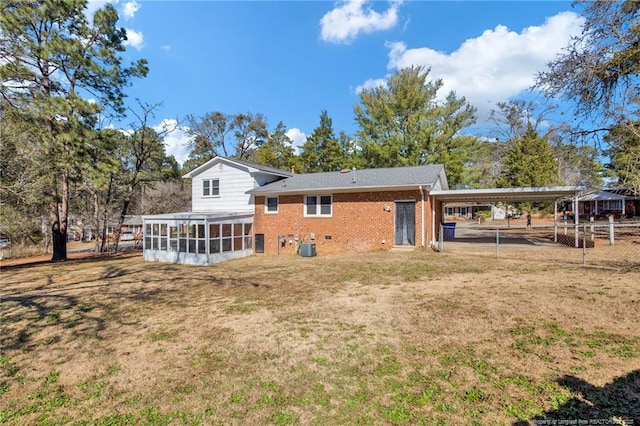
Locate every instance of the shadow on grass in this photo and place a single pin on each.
(614, 402)
(48, 311)
(88, 257)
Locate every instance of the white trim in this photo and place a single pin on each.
(228, 161)
(318, 205)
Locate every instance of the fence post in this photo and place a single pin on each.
(611, 233)
(584, 244)
(497, 243)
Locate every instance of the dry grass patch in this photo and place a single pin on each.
(396, 338)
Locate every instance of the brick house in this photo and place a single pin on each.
(239, 209)
(349, 210)
(621, 203)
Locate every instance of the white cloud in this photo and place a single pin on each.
(493, 67)
(372, 83)
(94, 5)
(298, 138)
(129, 9)
(177, 140)
(352, 17)
(134, 39)
(166, 48)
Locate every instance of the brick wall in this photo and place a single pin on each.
(359, 222)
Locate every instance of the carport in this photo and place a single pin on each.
(509, 195)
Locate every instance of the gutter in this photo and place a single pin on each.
(328, 190)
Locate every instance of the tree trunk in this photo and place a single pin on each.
(105, 216)
(95, 229)
(123, 214)
(58, 217)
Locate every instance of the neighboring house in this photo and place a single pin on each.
(462, 211)
(349, 210)
(617, 202)
(220, 225)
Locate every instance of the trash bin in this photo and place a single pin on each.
(448, 231)
(307, 249)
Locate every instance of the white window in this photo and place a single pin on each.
(211, 187)
(271, 205)
(613, 205)
(318, 205)
(464, 211)
(449, 211)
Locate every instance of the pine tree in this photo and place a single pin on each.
(403, 124)
(321, 152)
(529, 162)
(52, 59)
(277, 151)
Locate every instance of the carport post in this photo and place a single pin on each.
(575, 220)
(497, 243)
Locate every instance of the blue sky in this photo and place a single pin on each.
(289, 60)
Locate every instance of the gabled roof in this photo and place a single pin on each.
(626, 192)
(600, 196)
(250, 167)
(358, 180)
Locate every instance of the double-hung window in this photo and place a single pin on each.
(211, 187)
(318, 205)
(271, 205)
(612, 205)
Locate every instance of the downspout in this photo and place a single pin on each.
(433, 220)
(422, 214)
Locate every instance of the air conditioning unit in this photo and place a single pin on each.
(307, 249)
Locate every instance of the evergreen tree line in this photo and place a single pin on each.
(62, 77)
(406, 124)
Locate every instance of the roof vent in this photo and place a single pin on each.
(353, 175)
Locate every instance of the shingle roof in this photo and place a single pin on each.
(358, 180)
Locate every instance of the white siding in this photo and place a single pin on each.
(234, 183)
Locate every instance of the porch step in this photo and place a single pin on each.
(403, 248)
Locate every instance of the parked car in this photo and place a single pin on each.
(4, 243)
(127, 236)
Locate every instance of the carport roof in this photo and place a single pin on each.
(488, 196)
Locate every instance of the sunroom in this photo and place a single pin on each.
(197, 238)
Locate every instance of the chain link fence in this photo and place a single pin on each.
(605, 244)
